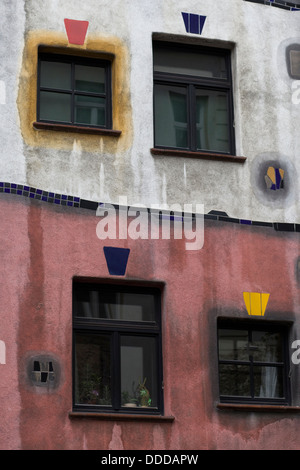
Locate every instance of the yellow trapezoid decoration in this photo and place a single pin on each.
(256, 303)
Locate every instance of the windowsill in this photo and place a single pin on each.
(121, 417)
(203, 155)
(259, 408)
(79, 129)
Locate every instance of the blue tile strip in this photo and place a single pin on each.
(73, 201)
(39, 194)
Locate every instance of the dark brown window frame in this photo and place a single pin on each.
(63, 56)
(193, 82)
(250, 326)
(117, 328)
(293, 47)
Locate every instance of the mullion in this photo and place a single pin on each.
(230, 115)
(108, 96)
(73, 92)
(93, 94)
(116, 371)
(192, 132)
(251, 364)
(55, 90)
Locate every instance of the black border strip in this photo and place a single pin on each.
(73, 201)
(285, 5)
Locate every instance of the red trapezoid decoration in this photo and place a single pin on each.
(76, 31)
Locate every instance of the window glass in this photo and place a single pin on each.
(212, 120)
(55, 106)
(89, 110)
(266, 346)
(193, 63)
(55, 75)
(171, 116)
(138, 371)
(93, 369)
(94, 302)
(89, 79)
(295, 63)
(233, 344)
(234, 380)
(268, 382)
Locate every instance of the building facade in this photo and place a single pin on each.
(150, 225)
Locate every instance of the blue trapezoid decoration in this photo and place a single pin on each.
(116, 259)
(193, 23)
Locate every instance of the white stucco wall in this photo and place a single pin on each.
(12, 23)
(266, 119)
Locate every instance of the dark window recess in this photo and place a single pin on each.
(193, 107)
(43, 372)
(253, 363)
(117, 361)
(74, 91)
(293, 61)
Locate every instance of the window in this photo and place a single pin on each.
(74, 91)
(192, 99)
(253, 364)
(117, 348)
(293, 61)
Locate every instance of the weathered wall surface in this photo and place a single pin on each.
(44, 246)
(102, 168)
(12, 161)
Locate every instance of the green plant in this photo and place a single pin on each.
(144, 394)
(89, 389)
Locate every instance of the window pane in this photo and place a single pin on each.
(186, 62)
(90, 110)
(56, 75)
(268, 346)
(92, 369)
(89, 79)
(233, 345)
(295, 63)
(138, 371)
(234, 380)
(268, 382)
(212, 120)
(170, 116)
(55, 106)
(113, 304)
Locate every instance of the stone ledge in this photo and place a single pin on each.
(121, 417)
(73, 128)
(224, 157)
(258, 408)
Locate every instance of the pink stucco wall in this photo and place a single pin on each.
(44, 246)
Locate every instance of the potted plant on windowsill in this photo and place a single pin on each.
(93, 392)
(144, 394)
(129, 401)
